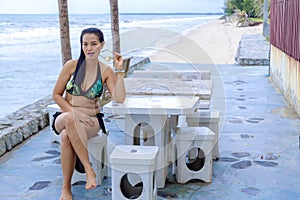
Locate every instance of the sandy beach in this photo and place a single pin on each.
(215, 42)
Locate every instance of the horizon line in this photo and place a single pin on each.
(126, 13)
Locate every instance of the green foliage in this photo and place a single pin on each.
(256, 19)
(253, 8)
(259, 7)
(232, 5)
(248, 7)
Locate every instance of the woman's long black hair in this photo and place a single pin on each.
(81, 61)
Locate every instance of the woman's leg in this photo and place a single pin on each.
(67, 164)
(77, 134)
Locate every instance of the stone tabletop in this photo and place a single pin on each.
(154, 105)
(169, 87)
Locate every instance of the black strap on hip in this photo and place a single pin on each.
(101, 122)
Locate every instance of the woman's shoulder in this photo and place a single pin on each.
(70, 65)
(105, 68)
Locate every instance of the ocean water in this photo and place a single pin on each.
(30, 55)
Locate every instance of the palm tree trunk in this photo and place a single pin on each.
(114, 14)
(265, 18)
(64, 31)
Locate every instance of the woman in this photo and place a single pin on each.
(83, 80)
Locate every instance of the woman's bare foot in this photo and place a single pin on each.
(66, 194)
(90, 179)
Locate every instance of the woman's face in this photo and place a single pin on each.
(91, 46)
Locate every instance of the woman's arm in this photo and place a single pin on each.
(60, 86)
(114, 81)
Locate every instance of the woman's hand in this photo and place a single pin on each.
(114, 79)
(87, 121)
(118, 60)
(84, 118)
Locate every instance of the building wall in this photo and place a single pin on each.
(285, 26)
(285, 49)
(285, 73)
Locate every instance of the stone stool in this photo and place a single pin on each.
(156, 135)
(97, 148)
(52, 108)
(133, 172)
(199, 165)
(209, 119)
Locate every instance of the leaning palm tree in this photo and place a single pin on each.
(243, 19)
(114, 14)
(64, 31)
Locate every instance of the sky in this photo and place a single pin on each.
(102, 6)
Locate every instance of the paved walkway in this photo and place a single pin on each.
(259, 149)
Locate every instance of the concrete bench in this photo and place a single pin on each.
(133, 172)
(206, 118)
(200, 118)
(186, 75)
(193, 154)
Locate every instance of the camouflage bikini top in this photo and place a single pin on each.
(93, 93)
